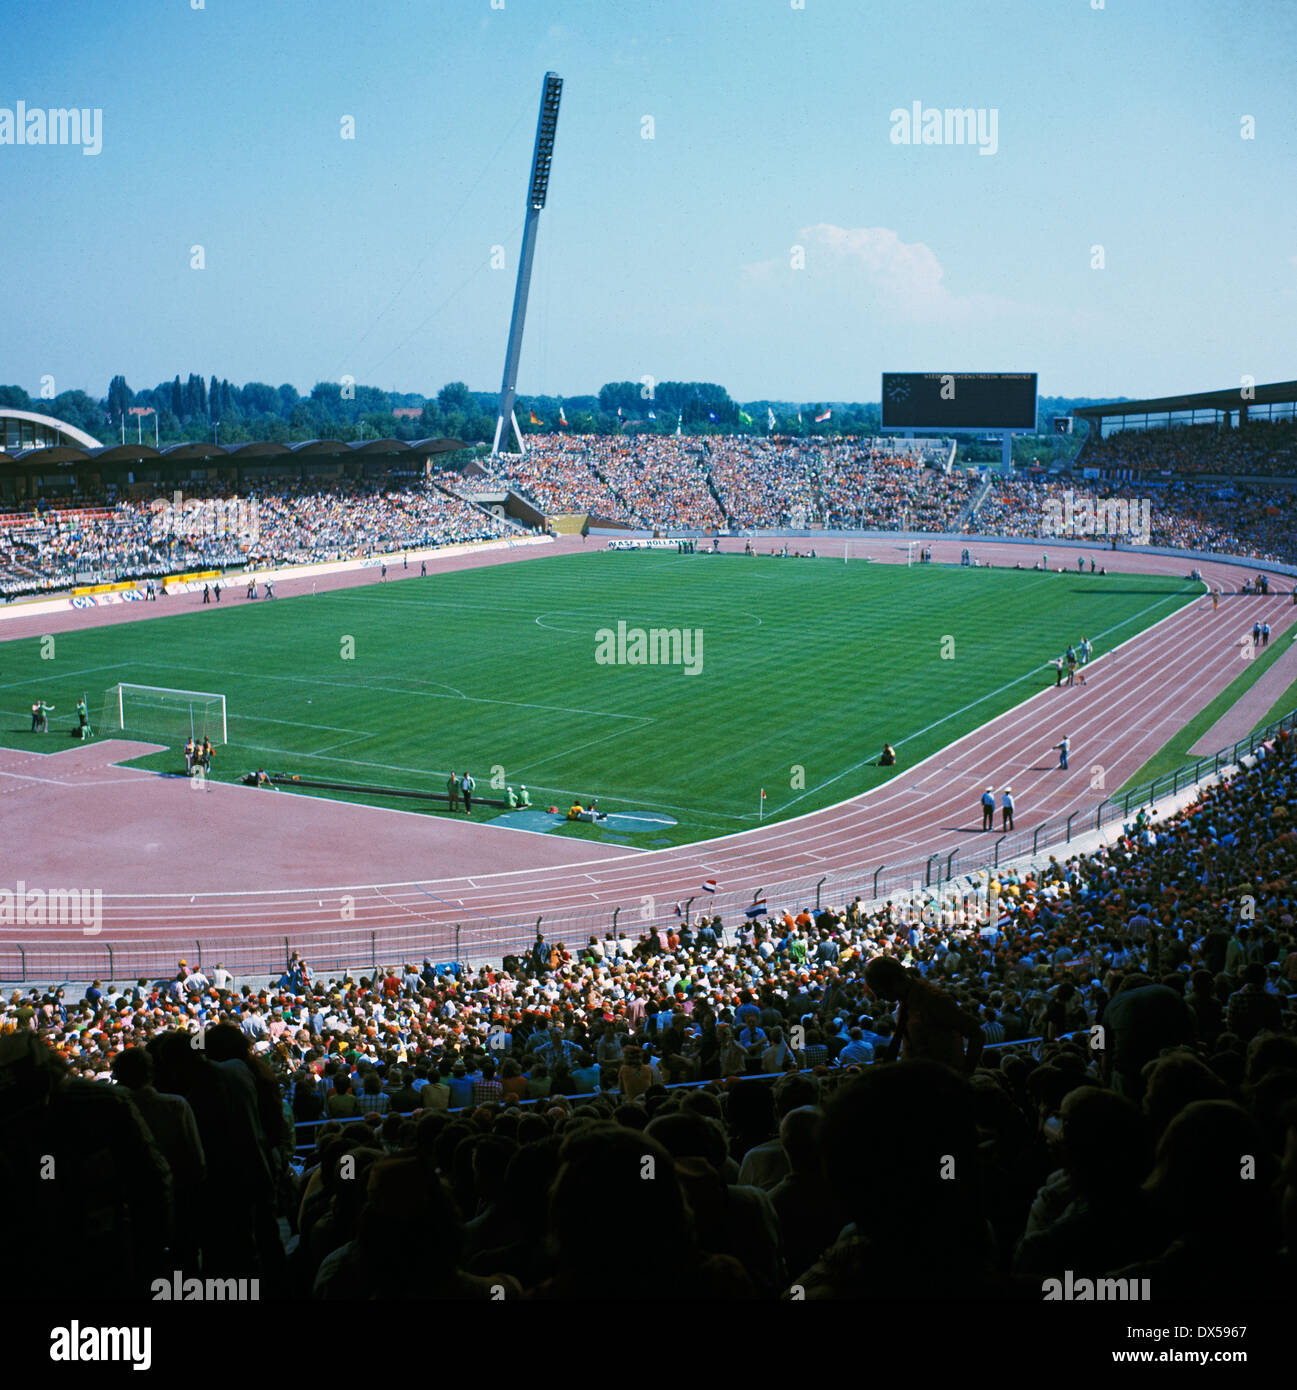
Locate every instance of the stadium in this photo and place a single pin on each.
(883, 834)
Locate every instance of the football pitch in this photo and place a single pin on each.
(782, 674)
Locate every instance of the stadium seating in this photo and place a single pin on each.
(697, 483)
(793, 1120)
(294, 523)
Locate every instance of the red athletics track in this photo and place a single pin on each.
(167, 861)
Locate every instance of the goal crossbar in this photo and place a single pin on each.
(171, 690)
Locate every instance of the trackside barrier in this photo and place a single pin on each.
(405, 925)
(834, 1075)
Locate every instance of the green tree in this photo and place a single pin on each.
(80, 410)
(256, 398)
(120, 397)
(455, 396)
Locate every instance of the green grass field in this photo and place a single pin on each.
(808, 666)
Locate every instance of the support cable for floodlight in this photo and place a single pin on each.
(419, 327)
(435, 244)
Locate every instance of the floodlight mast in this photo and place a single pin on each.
(537, 188)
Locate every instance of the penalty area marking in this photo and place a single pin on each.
(391, 690)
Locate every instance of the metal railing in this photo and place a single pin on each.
(833, 1074)
(412, 936)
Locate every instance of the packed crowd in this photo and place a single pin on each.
(644, 480)
(489, 1119)
(303, 524)
(557, 475)
(1258, 449)
(1234, 518)
(769, 483)
(268, 523)
(48, 551)
(740, 481)
(874, 492)
(688, 482)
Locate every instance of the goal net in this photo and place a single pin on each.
(162, 713)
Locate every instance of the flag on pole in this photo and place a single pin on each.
(709, 885)
(535, 419)
(562, 419)
(799, 417)
(770, 416)
(820, 419)
(758, 909)
(745, 417)
(711, 415)
(619, 412)
(679, 417)
(652, 415)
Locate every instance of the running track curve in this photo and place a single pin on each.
(495, 883)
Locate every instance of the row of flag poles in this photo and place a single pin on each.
(652, 415)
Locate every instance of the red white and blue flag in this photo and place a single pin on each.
(820, 419)
(709, 885)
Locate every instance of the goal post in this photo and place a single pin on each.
(162, 712)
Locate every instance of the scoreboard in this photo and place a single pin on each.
(959, 401)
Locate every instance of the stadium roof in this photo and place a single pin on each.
(1279, 392)
(61, 427)
(40, 459)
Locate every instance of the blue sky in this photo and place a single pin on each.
(671, 257)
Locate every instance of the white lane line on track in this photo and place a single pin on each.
(515, 873)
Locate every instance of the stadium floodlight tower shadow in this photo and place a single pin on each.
(537, 188)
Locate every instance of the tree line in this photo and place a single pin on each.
(197, 408)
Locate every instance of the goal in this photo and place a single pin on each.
(174, 715)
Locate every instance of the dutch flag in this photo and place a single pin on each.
(709, 885)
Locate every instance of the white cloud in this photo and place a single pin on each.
(903, 280)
